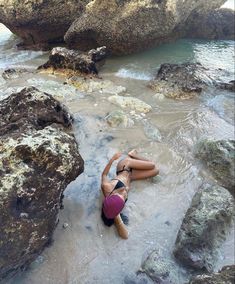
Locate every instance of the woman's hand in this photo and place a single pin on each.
(116, 156)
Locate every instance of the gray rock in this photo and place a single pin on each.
(181, 81)
(39, 21)
(225, 276)
(230, 86)
(151, 131)
(219, 157)
(63, 58)
(217, 24)
(38, 158)
(204, 227)
(119, 118)
(12, 73)
(160, 269)
(129, 26)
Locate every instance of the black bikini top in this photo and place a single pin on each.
(118, 185)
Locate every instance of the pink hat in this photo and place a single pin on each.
(112, 206)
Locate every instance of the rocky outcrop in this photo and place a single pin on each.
(12, 73)
(130, 26)
(38, 158)
(225, 276)
(180, 81)
(230, 86)
(40, 21)
(204, 227)
(217, 24)
(219, 157)
(160, 269)
(63, 58)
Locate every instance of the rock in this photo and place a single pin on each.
(230, 86)
(217, 24)
(151, 131)
(130, 26)
(96, 85)
(131, 103)
(12, 73)
(138, 278)
(39, 21)
(119, 118)
(63, 58)
(180, 81)
(38, 158)
(204, 227)
(160, 269)
(219, 157)
(65, 225)
(225, 276)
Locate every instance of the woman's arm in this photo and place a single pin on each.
(104, 178)
(121, 228)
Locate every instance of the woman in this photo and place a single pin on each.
(116, 190)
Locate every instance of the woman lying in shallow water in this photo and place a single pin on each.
(116, 190)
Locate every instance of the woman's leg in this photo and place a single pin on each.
(143, 174)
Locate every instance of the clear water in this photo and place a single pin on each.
(87, 252)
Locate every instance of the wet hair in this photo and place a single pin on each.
(107, 222)
(110, 222)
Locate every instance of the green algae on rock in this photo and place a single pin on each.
(38, 158)
(204, 227)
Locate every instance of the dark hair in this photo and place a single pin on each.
(107, 222)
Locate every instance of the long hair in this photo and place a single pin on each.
(107, 222)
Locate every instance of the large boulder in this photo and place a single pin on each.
(133, 25)
(225, 276)
(87, 63)
(219, 157)
(204, 227)
(39, 21)
(216, 24)
(38, 158)
(181, 81)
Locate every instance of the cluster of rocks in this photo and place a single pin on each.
(205, 226)
(38, 158)
(86, 63)
(122, 26)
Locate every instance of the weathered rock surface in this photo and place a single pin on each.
(160, 269)
(95, 85)
(129, 26)
(130, 103)
(38, 21)
(180, 81)
(230, 86)
(204, 227)
(63, 58)
(151, 131)
(13, 73)
(217, 24)
(219, 156)
(38, 158)
(118, 118)
(225, 276)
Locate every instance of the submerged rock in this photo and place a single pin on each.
(12, 73)
(219, 156)
(151, 131)
(119, 118)
(130, 26)
(96, 85)
(204, 227)
(225, 276)
(217, 24)
(160, 269)
(63, 58)
(180, 81)
(230, 86)
(38, 158)
(130, 103)
(39, 21)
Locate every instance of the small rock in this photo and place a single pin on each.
(151, 131)
(119, 118)
(65, 225)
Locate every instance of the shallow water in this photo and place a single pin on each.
(86, 251)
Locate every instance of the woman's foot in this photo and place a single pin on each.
(132, 153)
